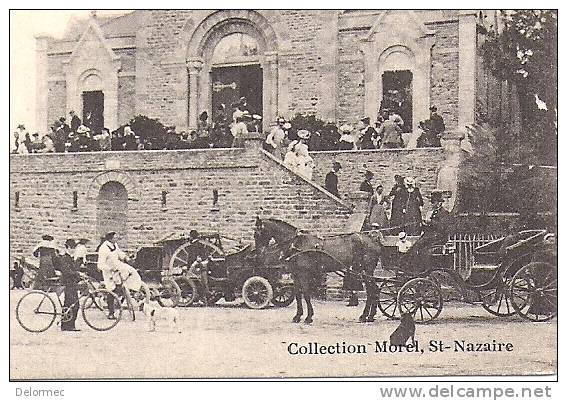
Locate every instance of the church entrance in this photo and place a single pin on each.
(229, 84)
(93, 110)
(397, 95)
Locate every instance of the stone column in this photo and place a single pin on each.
(270, 89)
(41, 84)
(467, 66)
(194, 68)
(447, 176)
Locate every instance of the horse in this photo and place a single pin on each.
(308, 255)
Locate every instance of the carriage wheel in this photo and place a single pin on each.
(36, 311)
(189, 292)
(497, 300)
(257, 292)
(283, 296)
(183, 256)
(95, 310)
(169, 293)
(422, 298)
(388, 299)
(534, 292)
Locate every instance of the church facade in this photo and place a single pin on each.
(338, 65)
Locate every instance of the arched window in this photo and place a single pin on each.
(236, 48)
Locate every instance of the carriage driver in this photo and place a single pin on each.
(436, 229)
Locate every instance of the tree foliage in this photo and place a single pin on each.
(523, 51)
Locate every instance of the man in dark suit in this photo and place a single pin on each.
(75, 121)
(69, 279)
(366, 185)
(332, 181)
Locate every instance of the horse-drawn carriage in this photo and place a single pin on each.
(513, 274)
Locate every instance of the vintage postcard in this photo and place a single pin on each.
(200, 194)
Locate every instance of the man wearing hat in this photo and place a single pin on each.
(368, 134)
(274, 140)
(366, 185)
(75, 121)
(437, 124)
(240, 129)
(69, 279)
(81, 251)
(46, 253)
(412, 207)
(436, 229)
(332, 181)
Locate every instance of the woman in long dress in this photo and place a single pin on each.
(378, 206)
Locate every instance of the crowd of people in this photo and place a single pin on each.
(227, 128)
(400, 209)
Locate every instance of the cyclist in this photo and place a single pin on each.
(114, 270)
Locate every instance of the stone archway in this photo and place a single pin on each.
(118, 176)
(200, 49)
(112, 211)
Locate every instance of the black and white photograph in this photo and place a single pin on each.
(283, 193)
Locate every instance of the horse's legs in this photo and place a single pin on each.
(309, 317)
(372, 295)
(367, 306)
(298, 293)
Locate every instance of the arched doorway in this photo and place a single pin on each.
(396, 67)
(255, 63)
(92, 97)
(236, 73)
(112, 211)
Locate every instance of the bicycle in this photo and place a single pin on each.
(130, 299)
(36, 311)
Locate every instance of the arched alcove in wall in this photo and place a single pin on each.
(112, 211)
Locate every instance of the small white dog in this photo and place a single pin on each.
(155, 312)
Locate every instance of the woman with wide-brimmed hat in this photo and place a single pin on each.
(347, 140)
(46, 252)
(305, 164)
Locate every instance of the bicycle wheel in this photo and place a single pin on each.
(96, 311)
(36, 311)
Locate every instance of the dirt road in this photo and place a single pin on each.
(232, 341)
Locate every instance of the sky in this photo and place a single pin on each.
(24, 26)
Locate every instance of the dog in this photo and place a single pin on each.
(404, 331)
(155, 312)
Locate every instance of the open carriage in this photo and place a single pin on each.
(509, 275)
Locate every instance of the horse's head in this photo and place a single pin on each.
(278, 230)
(262, 233)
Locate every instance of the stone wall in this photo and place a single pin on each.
(126, 98)
(56, 101)
(445, 72)
(350, 104)
(248, 182)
